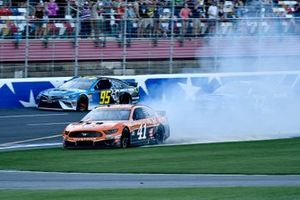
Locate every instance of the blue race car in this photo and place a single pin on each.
(86, 93)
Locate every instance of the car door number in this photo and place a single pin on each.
(142, 132)
(105, 97)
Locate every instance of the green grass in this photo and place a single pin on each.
(259, 157)
(237, 193)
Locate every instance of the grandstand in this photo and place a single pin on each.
(67, 37)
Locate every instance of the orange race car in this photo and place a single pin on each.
(118, 125)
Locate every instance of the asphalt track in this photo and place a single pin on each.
(28, 126)
(53, 180)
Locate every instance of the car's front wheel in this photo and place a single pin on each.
(82, 104)
(65, 145)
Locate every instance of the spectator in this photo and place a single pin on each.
(149, 23)
(39, 14)
(197, 11)
(131, 20)
(157, 5)
(165, 21)
(178, 5)
(297, 14)
(239, 8)
(97, 18)
(297, 9)
(212, 11)
(107, 5)
(52, 9)
(184, 14)
(119, 7)
(141, 8)
(212, 15)
(72, 10)
(85, 16)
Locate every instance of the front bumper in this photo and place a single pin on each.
(91, 143)
(57, 105)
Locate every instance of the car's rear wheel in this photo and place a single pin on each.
(125, 138)
(82, 104)
(125, 99)
(159, 135)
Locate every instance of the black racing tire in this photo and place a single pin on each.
(65, 145)
(125, 99)
(125, 139)
(82, 104)
(159, 135)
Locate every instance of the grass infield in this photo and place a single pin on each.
(255, 157)
(237, 193)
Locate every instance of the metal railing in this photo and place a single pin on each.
(14, 27)
(111, 44)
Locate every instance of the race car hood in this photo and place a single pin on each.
(93, 126)
(61, 92)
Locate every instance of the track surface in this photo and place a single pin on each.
(43, 180)
(23, 126)
(31, 126)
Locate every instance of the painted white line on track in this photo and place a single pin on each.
(48, 124)
(30, 146)
(30, 140)
(36, 115)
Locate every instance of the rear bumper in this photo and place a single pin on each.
(135, 99)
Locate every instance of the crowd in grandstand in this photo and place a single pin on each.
(143, 18)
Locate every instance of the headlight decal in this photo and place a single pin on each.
(111, 131)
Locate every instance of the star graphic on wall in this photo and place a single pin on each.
(296, 81)
(31, 102)
(190, 90)
(141, 83)
(215, 77)
(8, 84)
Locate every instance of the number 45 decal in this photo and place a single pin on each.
(142, 132)
(105, 97)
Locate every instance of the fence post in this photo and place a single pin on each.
(76, 40)
(216, 42)
(124, 39)
(172, 39)
(26, 41)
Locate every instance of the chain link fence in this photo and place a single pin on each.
(112, 45)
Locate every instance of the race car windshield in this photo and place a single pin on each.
(107, 115)
(78, 83)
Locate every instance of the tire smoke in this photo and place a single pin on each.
(258, 96)
(236, 111)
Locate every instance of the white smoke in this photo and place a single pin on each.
(261, 108)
